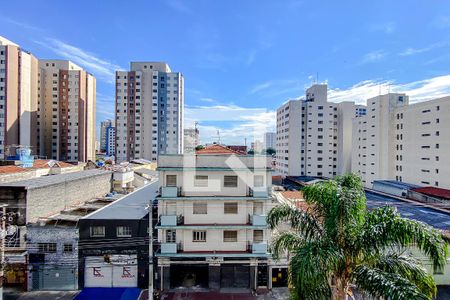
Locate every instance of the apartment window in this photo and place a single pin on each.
(171, 180)
(47, 247)
(171, 236)
(230, 208)
(258, 181)
(199, 236)
(97, 231)
(68, 248)
(230, 181)
(201, 181)
(258, 236)
(123, 231)
(230, 236)
(258, 208)
(200, 208)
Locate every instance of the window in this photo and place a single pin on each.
(230, 236)
(230, 181)
(200, 208)
(199, 236)
(123, 231)
(47, 247)
(171, 236)
(230, 208)
(258, 208)
(97, 231)
(171, 180)
(258, 236)
(68, 248)
(258, 181)
(201, 181)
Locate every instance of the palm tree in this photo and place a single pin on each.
(336, 243)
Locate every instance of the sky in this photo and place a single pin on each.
(242, 59)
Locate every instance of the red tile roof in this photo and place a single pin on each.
(38, 164)
(433, 191)
(217, 149)
(292, 195)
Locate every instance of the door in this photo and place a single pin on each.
(279, 277)
(258, 208)
(234, 276)
(171, 209)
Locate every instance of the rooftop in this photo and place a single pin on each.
(133, 206)
(49, 180)
(397, 184)
(38, 164)
(433, 191)
(218, 149)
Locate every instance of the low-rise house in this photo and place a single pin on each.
(114, 246)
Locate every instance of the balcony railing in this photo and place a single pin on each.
(257, 220)
(171, 220)
(259, 248)
(170, 191)
(258, 192)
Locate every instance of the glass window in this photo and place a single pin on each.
(124, 231)
(97, 231)
(230, 236)
(230, 208)
(201, 181)
(171, 180)
(200, 208)
(230, 181)
(47, 247)
(258, 236)
(68, 248)
(171, 236)
(199, 236)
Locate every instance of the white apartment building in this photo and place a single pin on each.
(149, 111)
(103, 128)
(66, 111)
(191, 139)
(270, 140)
(398, 141)
(212, 219)
(18, 97)
(314, 135)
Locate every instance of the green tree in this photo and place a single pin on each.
(250, 152)
(199, 147)
(269, 151)
(336, 243)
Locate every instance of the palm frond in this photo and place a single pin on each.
(379, 283)
(300, 221)
(285, 241)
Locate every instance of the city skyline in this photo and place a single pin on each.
(279, 53)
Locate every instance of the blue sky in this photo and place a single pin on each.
(242, 59)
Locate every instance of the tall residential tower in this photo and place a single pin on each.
(149, 111)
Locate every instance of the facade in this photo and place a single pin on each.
(314, 136)
(149, 111)
(66, 113)
(191, 139)
(110, 140)
(104, 125)
(212, 220)
(18, 97)
(270, 140)
(113, 245)
(402, 142)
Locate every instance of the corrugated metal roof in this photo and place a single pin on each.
(397, 184)
(130, 207)
(433, 191)
(54, 179)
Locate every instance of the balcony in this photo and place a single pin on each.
(170, 191)
(259, 248)
(172, 220)
(257, 220)
(258, 193)
(168, 248)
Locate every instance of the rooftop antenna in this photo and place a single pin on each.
(218, 137)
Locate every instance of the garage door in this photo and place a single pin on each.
(121, 271)
(234, 276)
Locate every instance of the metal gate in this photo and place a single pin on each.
(55, 278)
(234, 276)
(121, 271)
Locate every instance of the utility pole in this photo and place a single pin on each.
(150, 250)
(2, 250)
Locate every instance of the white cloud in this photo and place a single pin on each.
(387, 27)
(374, 56)
(418, 91)
(20, 24)
(179, 6)
(413, 51)
(235, 123)
(276, 88)
(102, 69)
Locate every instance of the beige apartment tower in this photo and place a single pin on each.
(66, 111)
(18, 97)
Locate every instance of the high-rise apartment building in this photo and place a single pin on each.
(270, 140)
(398, 141)
(66, 111)
(314, 135)
(110, 140)
(18, 97)
(149, 111)
(103, 127)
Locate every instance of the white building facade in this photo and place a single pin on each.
(270, 140)
(314, 136)
(149, 111)
(212, 221)
(404, 142)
